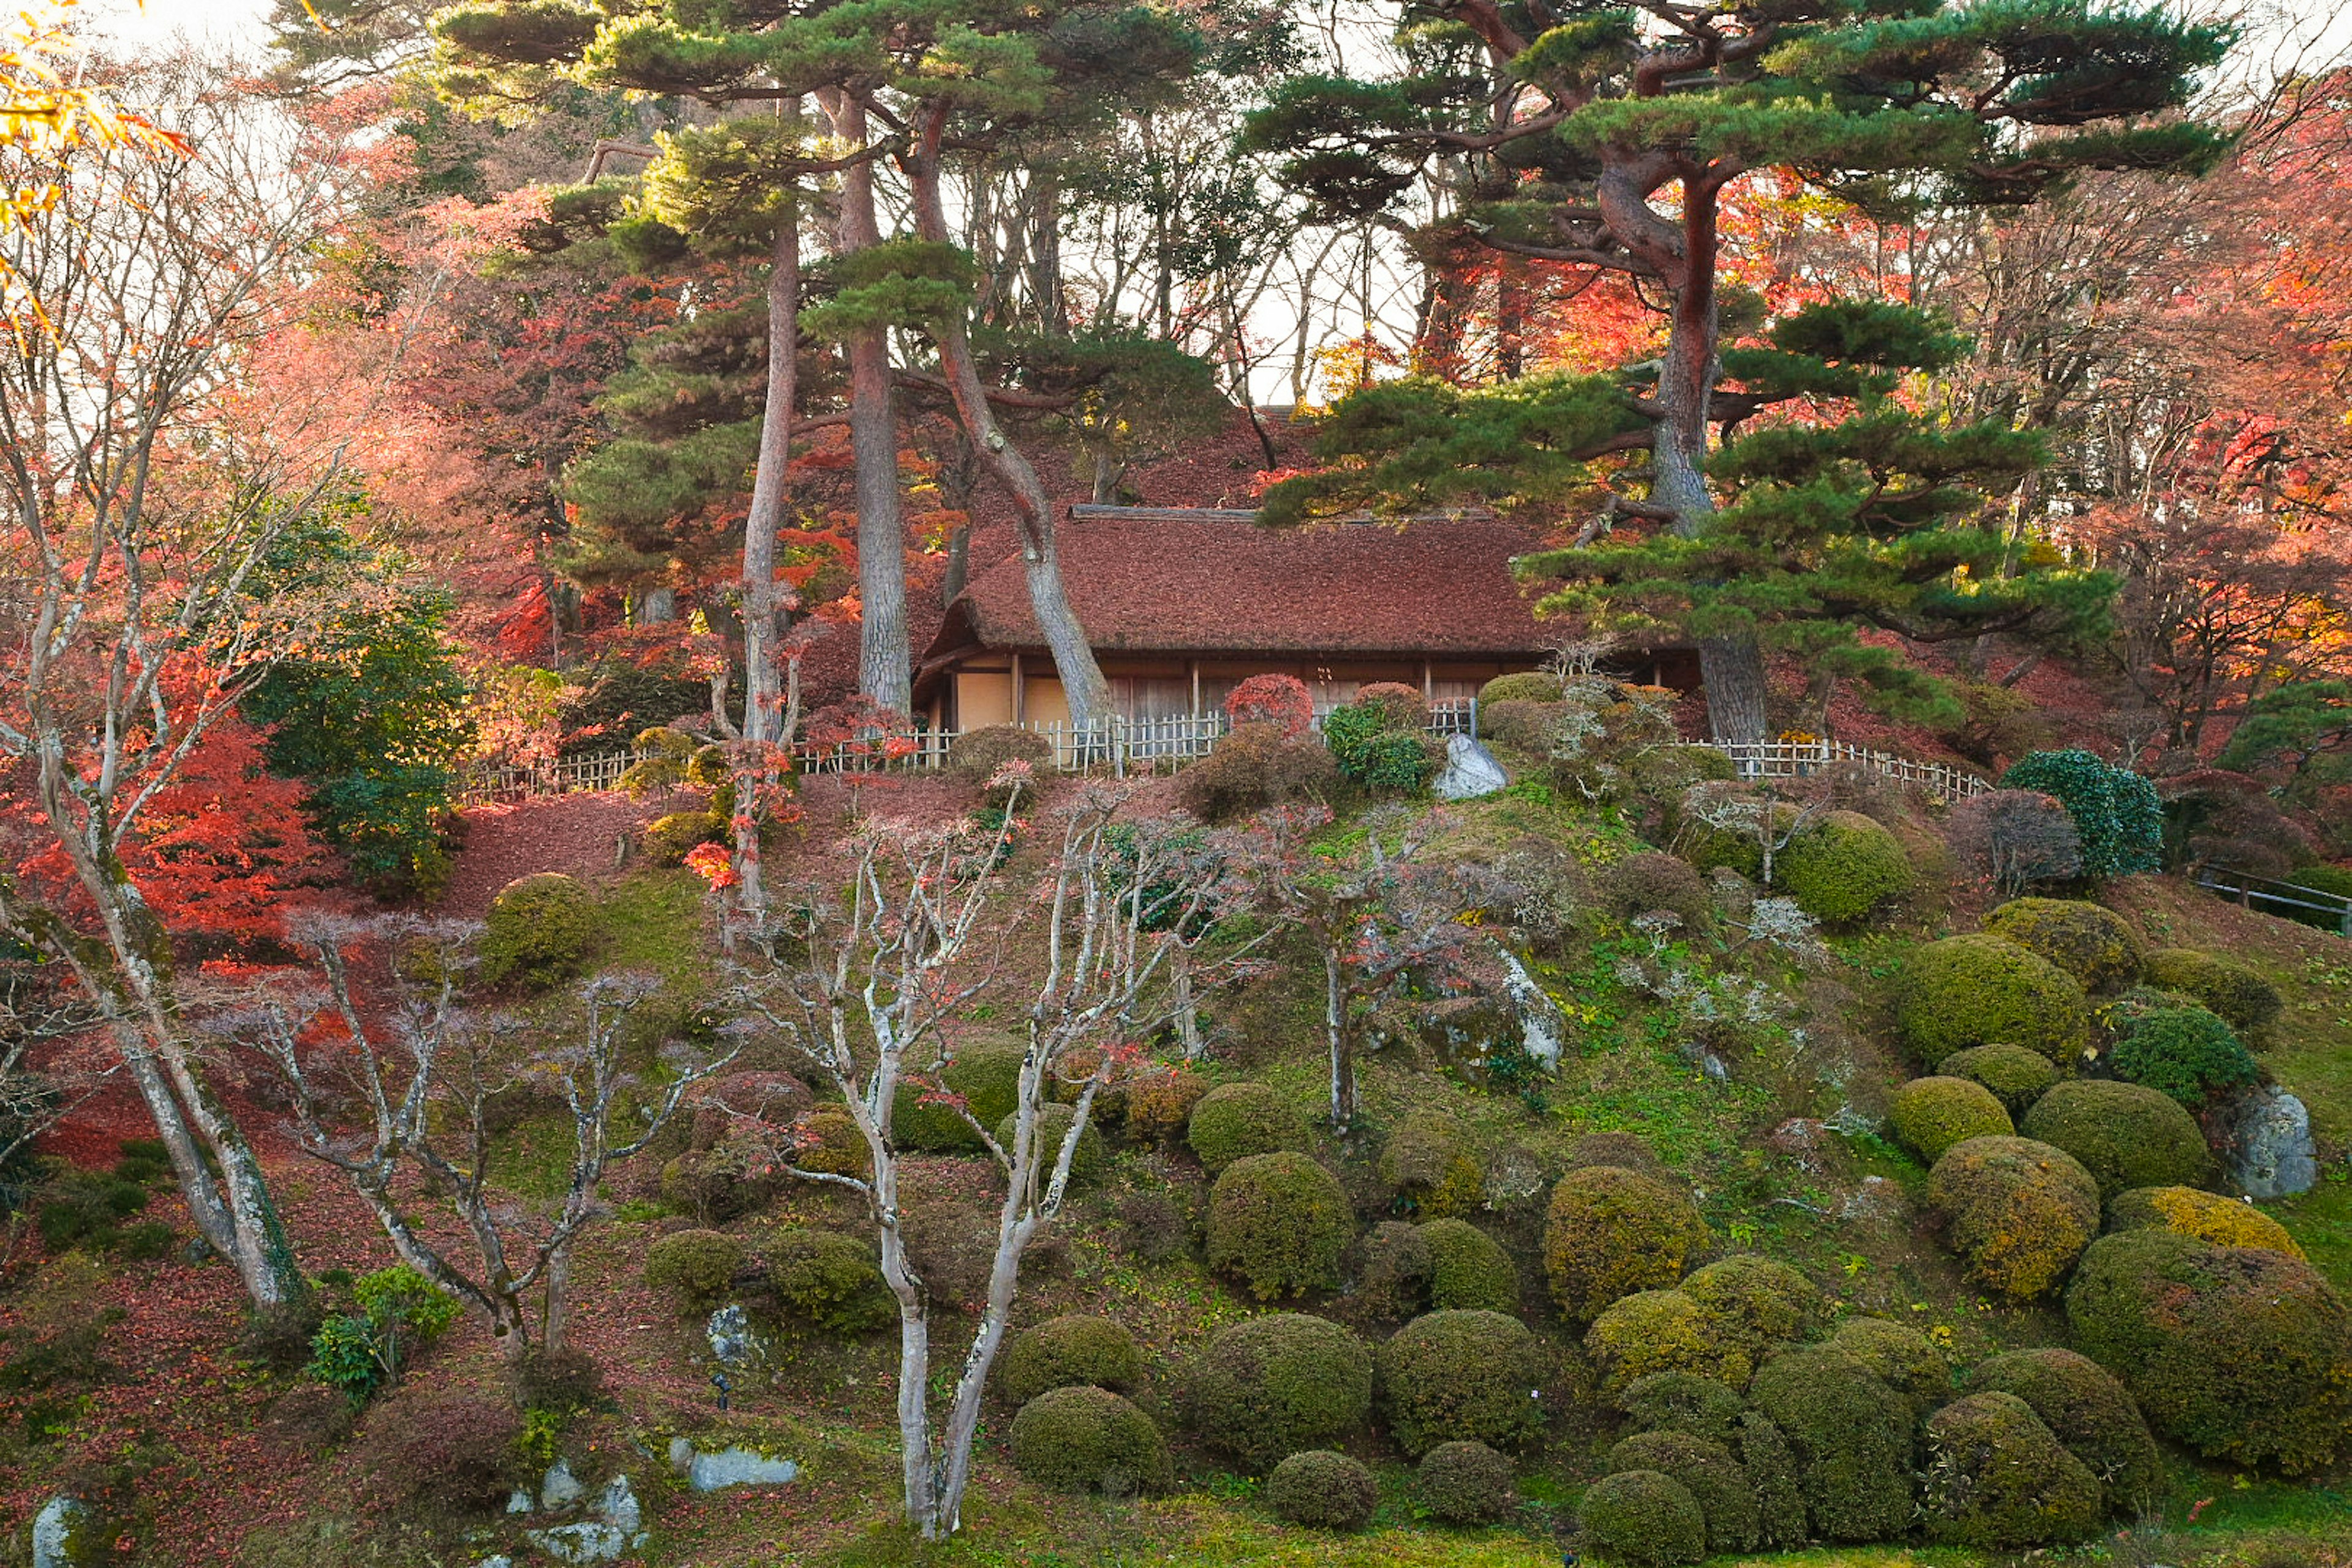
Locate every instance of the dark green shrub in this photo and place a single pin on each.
(1374, 752)
(824, 1279)
(1323, 1490)
(1273, 1386)
(1753, 1301)
(1998, 1480)
(1902, 1358)
(2126, 1136)
(2094, 944)
(695, 1269)
(1520, 725)
(1279, 1222)
(1084, 1440)
(2016, 1076)
(1625, 1150)
(1709, 1472)
(400, 1312)
(76, 1206)
(1851, 1437)
(1842, 868)
(1428, 1163)
(1469, 1269)
(1654, 881)
(1931, 1114)
(1610, 1232)
(2207, 1216)
(1234, 1121)
(1654, 1331)
(2186, 1053)
(987, 1073)
(1061, 1353)
(1528, 686)
(669, 839)
(2244, 1354)
(1466, 1483)
(1642, 1520)
(1771, 1465)
(2019, 1213)
(1088, 1162)
(1452, 1376)
(1256, 766)
(1398, 1265)
(1681, 1402)
(2115, 811)
(2243, 998)
(538, 930)
(1982, 991)
(2087, 1410)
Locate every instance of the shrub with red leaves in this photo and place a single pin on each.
(443, 1448)
(1280, 701)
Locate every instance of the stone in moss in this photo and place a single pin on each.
(1065, 1352)
(1843, 868)
(2094, 944)
(2090, 1413)
(2126, 1136)
(2207, 1216)
(1235, 1121)
(1931, 1114)
(1899, 1356)
(1466, 1483)
(1323, 1490)
(2018, 1212)
(2248, 1001)
(1084, 1439)
(1427, 1165)
(1978, 990)
(1277, 1384)
(1709, 1472)
(1998, 1480)
(1852, 1435)
(2016, 1076)
(1279, 1223)
(1643, 1518)
(1681, 1402)
(1610, 1232)
(1654, 1331)
(1461, 1375)
(1753, 1301)
(1469, 1269)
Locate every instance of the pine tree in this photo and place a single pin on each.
(1606, 137)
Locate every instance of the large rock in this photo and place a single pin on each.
(1470, 771)
(733, 1340)
(2267, 1144)
(617, 1529)
(56, 1532)
(1539, 1016)
(720, 1469)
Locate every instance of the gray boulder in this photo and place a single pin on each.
(1470, 771)
(2268, 1145)
(57, 1530)
(720, 1469)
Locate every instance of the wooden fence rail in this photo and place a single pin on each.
(2272, 896)
(1797, 759)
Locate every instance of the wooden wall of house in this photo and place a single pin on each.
(1000, 689)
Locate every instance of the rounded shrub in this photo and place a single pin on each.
(1466, 1483)
(1931, 1114)
(1842, 868)
(1610, 1232)
(1397, 1268)
(977, 755)
(1235, 1121)
(2247, 1001)
(1682, 1402)
(828, 1140)
(1626, 1151)
(1709, 1472)
(1280, 701)
(1643, 1518)
(2019, 1213)
(1654, 1331)
(987, 1075)
(1902, 1358)
(1159, 1103)
(1065, 1352)
(1088, 1160)
(1529, 686)
(1469, 1269)
(668, 839)
(2244, 1354)
(2187, 1053)
(2207, 1216)
(1279, 1223)
(1429, 1167)
(1323, 1490)
(1256, 765)
(1764, 1451)
(2016, 1076)
(1520, 725)
(1982, 991)
(538, 930)
(1753, 1301)
(2126, 1136)
(1852, 1435)
(1275, 1384)
(1654, 881)
(2093, 943)
(827, 1281)
(2116, 813)
(1998, 1480)
(694, 1268)
(2088, 1411)
(1084, 1439)
(1450, 1376)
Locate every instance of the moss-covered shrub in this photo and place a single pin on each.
(1253, 767)
(1901, 1357)
(1397, 1266)
(1273, 1386)
(2126, 1136)
(2188, 1053)
(2207, 1216)
(1682, 1402)
(2094, 944)
(1469, 1269)
(1520, 725)
(2115, 811)
(1654, 881)
(977, 755)
(1323, 1490)
(1842, 868)
(1279, 1223)
(1084, 1440)
(1709, 1472)
(1982, 991)
(828, 1140)
(1610, 1232)
(1625, 1150)
(1654, 1331)
(1428, 1164)
(1061, 1353)
(987, 1073)
(1234, 1121)
(1998, 1480)
(1466, 1483)
(1641, 1518)
(2242, 1353)
(2019, 1213)
(1753, 1301)
(1853, 1439)
(538, 930)
(695, 1269)
(2244, 998)
(1088, 1160)
(668, 839)
(1931, 1114)
(1764, 1452)
(2090, 1413)
(2016, 1076)
(827, 1281)
(1529, 686)
(1159, 1103)
(1452, 1376)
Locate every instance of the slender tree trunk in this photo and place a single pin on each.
(1343, 1054)
(764, 729)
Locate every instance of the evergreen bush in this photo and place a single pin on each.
(2207, 1216)
(668, 839)
(1275, 1384)
(1900, 1357)
(2094, 944)
(2016, 1076)
(827, 1281)
(1852, 1435)
(1466, 1483)
(1374, 753)
(2115, 811)
(1234, 1121)
(1323, 1490)
(1469, 1269)
(1842, 868)
(1256, 766)
(986, 1073)
(1065, 1352)
(1279, 1223)
(1460, 1375)
(1643, 1518)
(2244, 999)
(1998, 1480)
(1709, 1472)
(2090, 1413)
(1088, 1162)
(2019, 1213)
(1682, 1402)
(538, 930)
(2126, 1136)
(2187, 1053)
(1086, 1439)
(1978, 990)
(1654, 1331)
(1753, 1301)
(695, 1269)
(1428, 1164)
(1931, 1114)
(1609, 1232)
(1528, 686)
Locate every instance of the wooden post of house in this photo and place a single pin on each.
(1020, 692)
(1192, 672)
(1428, 685)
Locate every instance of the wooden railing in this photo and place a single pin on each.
(2274, 897)
(1799, 759)
(565, 775)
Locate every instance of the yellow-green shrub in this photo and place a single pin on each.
(1842, 868)
(1654, 1331)
(2207, 1216)
(2016, 1076)
(1998, 1480)
(2086, 1409)
(1466, 1483)
(1852, 1435)
(1061, 1353)
(1903, 1358)
(2019, 1213)
(1452, 1376)
(2242, 997)
(1428, 1164)
(1610, 1232)
(2094, 944)
(1643, 1518)
(2125, 1135)
(538, 930)
(1467, 1268)
(1982, 991)
(1084, 1440)
(1279, 1223)
(1931, 1114)
(1234, 1121)
(1753, 1301)
(1323, 1490)
(1274, 1384)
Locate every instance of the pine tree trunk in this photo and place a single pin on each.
(764, 725)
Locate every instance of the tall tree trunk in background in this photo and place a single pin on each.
(1074, 658)
(767, 724)
(884, 671)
